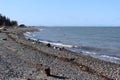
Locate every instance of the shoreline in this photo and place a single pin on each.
(106, 54)
(69, 48)
(97, 68)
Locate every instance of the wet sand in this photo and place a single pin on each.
(25, 59)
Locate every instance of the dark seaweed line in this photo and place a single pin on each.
(82, 67)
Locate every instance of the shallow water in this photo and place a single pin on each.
(99, 42)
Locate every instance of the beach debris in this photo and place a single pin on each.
(28, 79)
(43, 68)
(48, 45)
(39, 67)
(29, 39)
(61, 48)
(4, 39)
(85, 68)
(1, 28)
(33, 42)
(55, 47)
(10, 48)
(72, 59)
(47, 71)
(4, 29)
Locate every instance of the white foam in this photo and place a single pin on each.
(27, 34)
(62, 45)
(90, 53)
(110, 57)
(57, 44)
(46, 42)
(102, 57)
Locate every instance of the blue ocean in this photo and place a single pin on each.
(98, 42)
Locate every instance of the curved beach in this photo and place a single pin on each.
(26, 59)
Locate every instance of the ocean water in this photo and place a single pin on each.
(98, 42)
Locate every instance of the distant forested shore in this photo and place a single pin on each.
(7, 22)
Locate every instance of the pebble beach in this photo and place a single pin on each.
(26, 59)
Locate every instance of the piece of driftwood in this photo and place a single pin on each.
(47, 71)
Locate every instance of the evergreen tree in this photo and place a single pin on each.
(4, 21)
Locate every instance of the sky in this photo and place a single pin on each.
(62, 12)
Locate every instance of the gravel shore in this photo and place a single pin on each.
(25, 59)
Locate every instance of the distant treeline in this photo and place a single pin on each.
(5, 21)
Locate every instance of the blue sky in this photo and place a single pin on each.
(63, 12)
